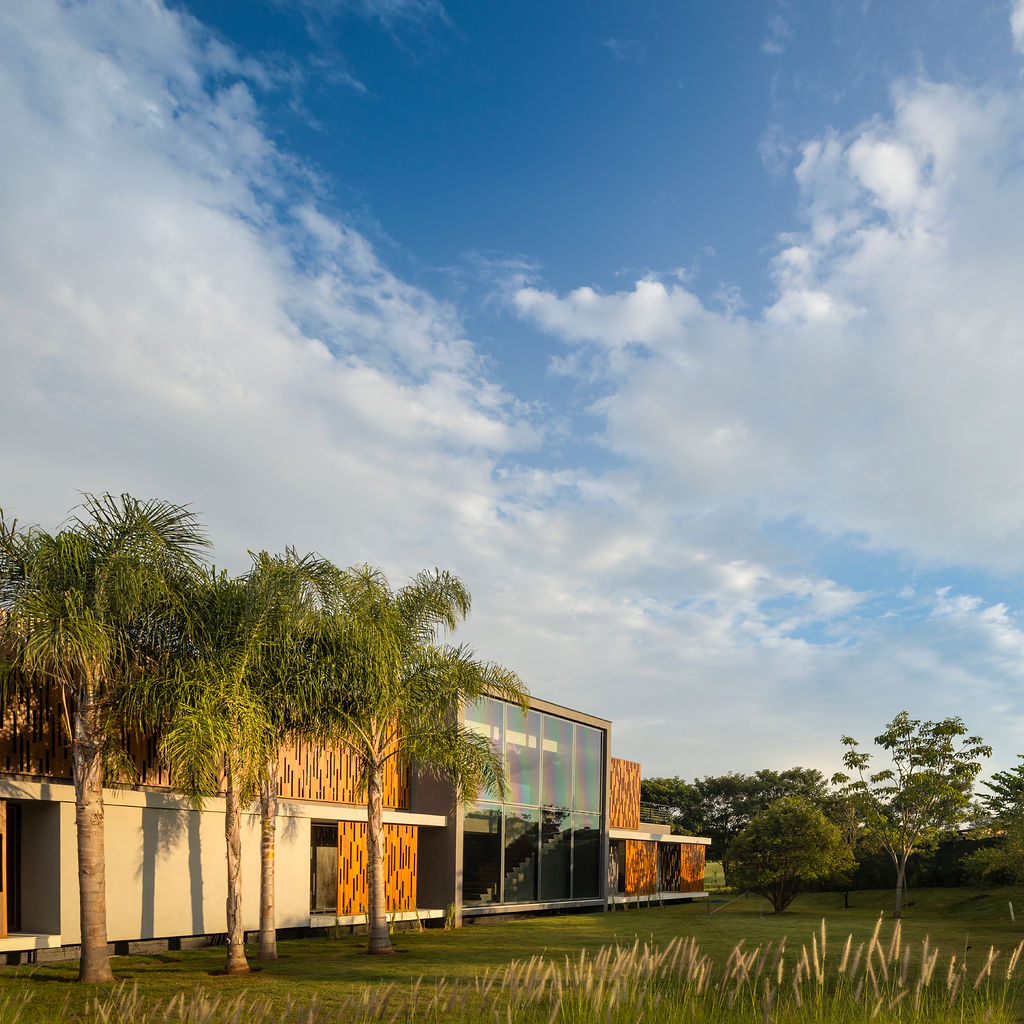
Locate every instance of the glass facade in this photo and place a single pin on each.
(544, 841)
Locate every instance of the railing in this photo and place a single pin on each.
(656, 814)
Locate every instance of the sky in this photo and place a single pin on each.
(690, 336)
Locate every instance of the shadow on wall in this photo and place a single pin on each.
(164, 828)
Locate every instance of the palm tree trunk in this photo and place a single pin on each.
(268, 829)
(377, 918)
(237, 964)
(87, 772)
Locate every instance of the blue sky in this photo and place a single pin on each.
(689, 335)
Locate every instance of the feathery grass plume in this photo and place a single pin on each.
(895, 940)
(954, 988)
(987, 969)
(856, 961)
(1012, 963)
(844, 960)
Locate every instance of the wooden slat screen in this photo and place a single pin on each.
(33, 742)
(669, 867)
(310, 772)
(641, 867)
(691, 857)
(624, 811)
(400, 857)
(32, 736)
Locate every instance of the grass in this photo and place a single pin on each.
(341, 978)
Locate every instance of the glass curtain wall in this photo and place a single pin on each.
(544, 841)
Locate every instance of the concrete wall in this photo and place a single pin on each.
(165, 861)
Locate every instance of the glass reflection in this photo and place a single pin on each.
(586, 855)
(556, 762)
(589, 769)
(556, 856)
(522, 831)
(522, 756)
(487, 717)
(481, 855)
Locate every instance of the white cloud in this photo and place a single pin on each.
(1017, 23)
(879, 392)
(184, 316)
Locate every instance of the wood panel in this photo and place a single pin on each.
(641, 867)
(308, 771)
(3, 868)
(400, 865)
(624, 810)
(691, 874)
(33, 741)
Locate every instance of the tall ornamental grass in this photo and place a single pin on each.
(872, 980)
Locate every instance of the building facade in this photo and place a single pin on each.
(567, 834)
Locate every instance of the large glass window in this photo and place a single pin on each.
(522, 756)
(556, 761)
(481, 871)
(556, 855)
(589, 769)
(544, 842)
(487, 717)
(522, 830)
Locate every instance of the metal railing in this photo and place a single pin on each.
(656, 814)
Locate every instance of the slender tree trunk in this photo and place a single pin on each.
(87, 771)
(901, 882)
(237, 964)
(377, 917)
(268, 830)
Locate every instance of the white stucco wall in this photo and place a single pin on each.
(165, 862)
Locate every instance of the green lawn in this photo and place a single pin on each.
(965, 921)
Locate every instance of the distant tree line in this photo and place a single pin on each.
(905, 812)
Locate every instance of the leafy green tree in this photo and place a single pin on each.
(1002, 862)
(787, 844)
(94, 609)
(1006, 792)
(392, 692)
(680, 797)
(925, 792)
(720, 806)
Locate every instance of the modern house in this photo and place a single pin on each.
(567, 835)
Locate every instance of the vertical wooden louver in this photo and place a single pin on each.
(624, 809)
(400, 863)
(641, 867)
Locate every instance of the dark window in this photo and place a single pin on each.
(323, 873)
(556, 856)
(481, 855)
(522, 829)
(13, 854)
(617, 866)
(586, 855)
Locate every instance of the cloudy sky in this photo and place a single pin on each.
(690, 335)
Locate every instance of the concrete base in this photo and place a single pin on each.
(657, 898)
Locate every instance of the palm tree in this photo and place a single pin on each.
(389, 691)
(92, 609)
(230, 706)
